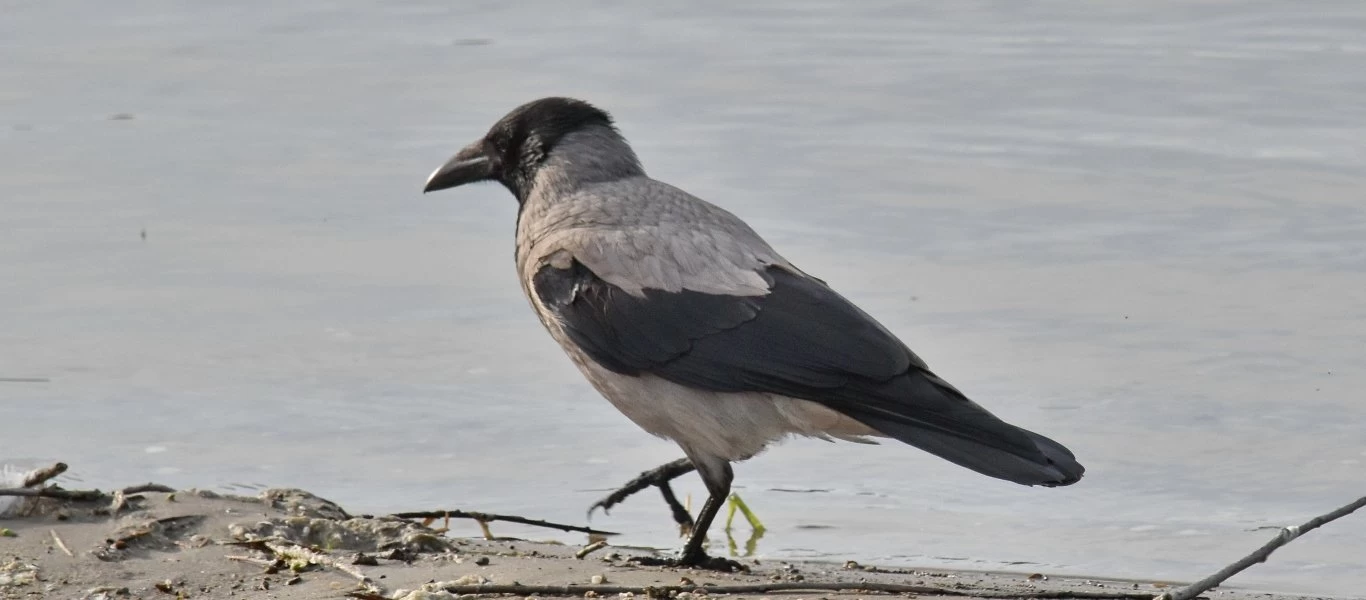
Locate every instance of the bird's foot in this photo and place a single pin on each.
(657, 477)
(699, 561)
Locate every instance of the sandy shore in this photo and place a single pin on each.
(291, 544)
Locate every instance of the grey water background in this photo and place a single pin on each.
(1139, 228)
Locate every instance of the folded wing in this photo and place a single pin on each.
(801, 340)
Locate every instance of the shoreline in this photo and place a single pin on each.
(287, 543)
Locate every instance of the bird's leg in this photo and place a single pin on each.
(717, 478)
(717, 475)
(680, 513)
(659, 477)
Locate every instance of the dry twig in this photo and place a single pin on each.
(60, 543)
(38, 476)
(591, 548)
(148, 487)
(485, 518)
(79, 495)
(249, 559)
(1285, 536)
(54, 492)
(664, 591)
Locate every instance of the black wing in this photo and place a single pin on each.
(801, 340)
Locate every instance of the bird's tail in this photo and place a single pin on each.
(930, 414)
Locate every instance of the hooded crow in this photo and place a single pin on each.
(698, 331)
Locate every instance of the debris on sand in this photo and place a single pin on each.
(151, 541)
(16, 573)
(353, 534)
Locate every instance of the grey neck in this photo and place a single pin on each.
(592, 155)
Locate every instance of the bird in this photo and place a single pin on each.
(700, 332)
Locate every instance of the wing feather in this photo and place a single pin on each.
(802, 340)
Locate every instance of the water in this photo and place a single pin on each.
(1136, 227)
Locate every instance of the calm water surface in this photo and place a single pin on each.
(1138, 228)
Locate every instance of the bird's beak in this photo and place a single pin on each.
(467, 166)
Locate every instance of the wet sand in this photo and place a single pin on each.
(287, 543)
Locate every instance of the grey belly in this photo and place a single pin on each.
(733, 426)
(730, 426)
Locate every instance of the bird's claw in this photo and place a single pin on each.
(601, 504)
(700, 562)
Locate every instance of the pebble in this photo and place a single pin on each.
(598, 580)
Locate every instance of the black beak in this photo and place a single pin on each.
(467, 166)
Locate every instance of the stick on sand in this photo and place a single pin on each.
(1286, 535)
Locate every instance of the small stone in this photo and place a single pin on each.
(598, 579)
(482, 561)
(400, 554)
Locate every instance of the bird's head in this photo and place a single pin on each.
(520, 144)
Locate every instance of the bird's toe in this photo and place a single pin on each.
(700, 561)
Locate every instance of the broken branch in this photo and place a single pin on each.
(60, 543)
(79, 495)
(249, 559)
(58, 493)
(1285, 536)
(149, 487)
(589, 549)
(488, 518)
(664, 591)
(38, 476)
